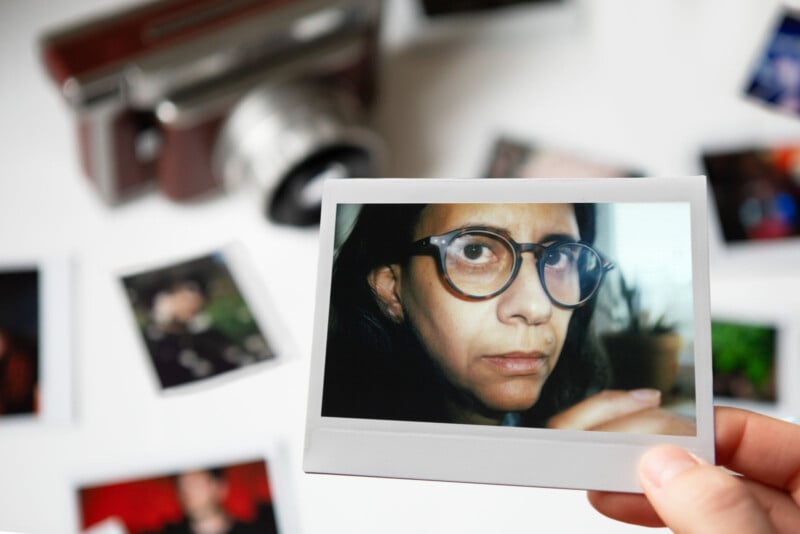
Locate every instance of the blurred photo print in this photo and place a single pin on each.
(775, 80)
(195, 319)
(231, 499)
(516, 310)
(756, 191)
(513, 158)
(436, 8)
(19, 342)
(35, 341)
(744, 356)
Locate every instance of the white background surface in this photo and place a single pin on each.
(641, 83)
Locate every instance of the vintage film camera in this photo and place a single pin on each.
(197, 95)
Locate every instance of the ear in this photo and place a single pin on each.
(385, 284)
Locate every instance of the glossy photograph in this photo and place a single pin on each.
(514, 158)
(744, 356)
(756, 192)
(559, 316)
(452, 7)
(35, 342)
(775, 78)
(195, 321)
(513, 314)
(19, 342)
(234, 498)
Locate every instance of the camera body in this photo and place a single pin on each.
(195, 95)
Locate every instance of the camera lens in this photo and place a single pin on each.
(290, 138)
(297, 199)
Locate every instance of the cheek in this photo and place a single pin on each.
(560, 323)
(443, 323)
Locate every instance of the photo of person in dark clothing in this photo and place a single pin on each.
(194, 320)
(230, 499)
(202, 495)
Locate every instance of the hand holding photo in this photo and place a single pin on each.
(484, 309)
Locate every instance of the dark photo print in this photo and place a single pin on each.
(232, 499)
(756, 192)
(452, 7)
(744, 356)
(195, 322)
(19, 342)
(775, 80)
(511, 158)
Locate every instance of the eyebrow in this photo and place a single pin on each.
(548, 238)
(552, 238)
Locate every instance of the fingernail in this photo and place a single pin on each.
(662, 464)
(646, 395)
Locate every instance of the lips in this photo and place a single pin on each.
(518, 363)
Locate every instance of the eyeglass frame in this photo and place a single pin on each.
(439, 243)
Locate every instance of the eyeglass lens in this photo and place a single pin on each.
(480, 264)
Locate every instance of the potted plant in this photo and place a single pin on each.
(643, 353)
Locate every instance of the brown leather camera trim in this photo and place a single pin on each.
(110, 41)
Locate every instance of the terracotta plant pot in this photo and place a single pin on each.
(644, 360)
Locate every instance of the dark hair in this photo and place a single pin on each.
(216, 473)
(378, 369)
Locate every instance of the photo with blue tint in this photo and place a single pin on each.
(775, 80)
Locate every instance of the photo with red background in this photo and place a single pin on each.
(147, 505)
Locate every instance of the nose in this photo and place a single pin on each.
(525, 300)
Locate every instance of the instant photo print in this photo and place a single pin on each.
(35, 346)
(775, 78)
(754, 361)
(203, 318)
(482, 330)
(756, 192)
(514, 158)
(248, 493)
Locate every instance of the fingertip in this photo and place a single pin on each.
(690, 495)
(630, 508)
(646, 396)
(661, 464)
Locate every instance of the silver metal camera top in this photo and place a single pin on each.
(145, 80)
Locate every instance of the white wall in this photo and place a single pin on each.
(641, 82)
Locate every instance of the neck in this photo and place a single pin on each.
(469, 414)
(215, 522)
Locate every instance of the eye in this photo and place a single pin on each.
(561, 258)
(475, 249)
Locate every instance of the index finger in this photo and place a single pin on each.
(759, 447)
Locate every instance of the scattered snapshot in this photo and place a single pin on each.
(232, 499)
(195, 321)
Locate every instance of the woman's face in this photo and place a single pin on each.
(497, 352)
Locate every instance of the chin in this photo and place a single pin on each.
(514, 402)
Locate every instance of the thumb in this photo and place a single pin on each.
(692, 496)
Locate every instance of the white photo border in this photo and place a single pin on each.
(259, 302)
(273, 451)
(519, 456)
